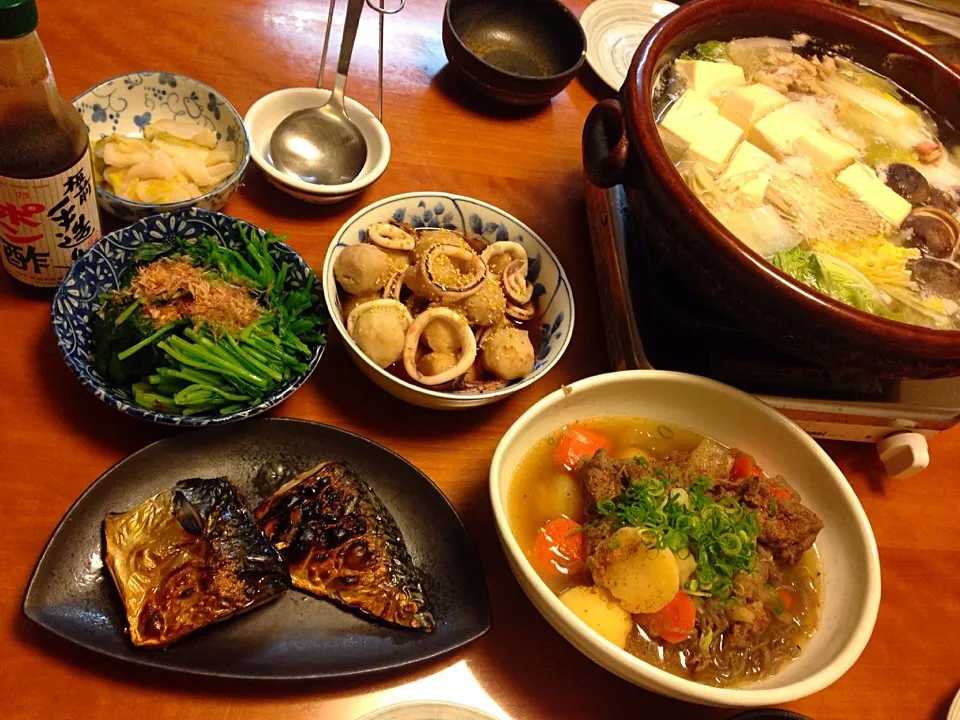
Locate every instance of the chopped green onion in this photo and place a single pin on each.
(720, 533)
(706, 638)
(666, 432)
(606, 507)
(730, 544)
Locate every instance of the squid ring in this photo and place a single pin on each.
(506, 247)
(468, 344)
(391, 237)
(515, 284)
(473, 281)
(521, 312)
(393, 286)
(370, 305)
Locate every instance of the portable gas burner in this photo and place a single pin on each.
(652, 320)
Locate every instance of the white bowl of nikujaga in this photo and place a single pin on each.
(687, 537)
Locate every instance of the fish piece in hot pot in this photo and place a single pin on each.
(341, 543)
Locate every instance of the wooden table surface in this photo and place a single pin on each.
(56, 438)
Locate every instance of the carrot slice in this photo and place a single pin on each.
(744, 466)
(577, 443)
(559, 546)
(675, 620)
(786, 599)
(779, 492)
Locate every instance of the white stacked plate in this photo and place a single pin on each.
(614, 30)
(954, 712)
(428, 710)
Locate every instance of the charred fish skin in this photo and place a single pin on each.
(342, 543)
(189, 557)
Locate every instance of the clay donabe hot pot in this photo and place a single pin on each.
(621, 145)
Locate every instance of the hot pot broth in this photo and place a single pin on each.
(743, 631)
(828, 170)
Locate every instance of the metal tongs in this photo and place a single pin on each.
(382, 10)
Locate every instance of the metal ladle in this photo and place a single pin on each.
(322, 145)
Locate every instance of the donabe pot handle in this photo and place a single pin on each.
(605, 144)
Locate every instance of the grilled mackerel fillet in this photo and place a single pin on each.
(188, 557)
(340, 542)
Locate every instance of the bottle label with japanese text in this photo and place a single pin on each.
(47, 223)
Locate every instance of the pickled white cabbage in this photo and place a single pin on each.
(174, 161)
(177, 129)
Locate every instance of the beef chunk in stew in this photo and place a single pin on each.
(790, 531)
(605, 477)
(787, 526)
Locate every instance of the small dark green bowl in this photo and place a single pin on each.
(520, 52)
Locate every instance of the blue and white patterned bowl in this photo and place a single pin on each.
(552, 291)
(125, 103)
(97, 271)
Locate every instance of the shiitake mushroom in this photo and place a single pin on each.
(908, 182)
(942, 201)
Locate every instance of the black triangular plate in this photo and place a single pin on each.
(72, 595)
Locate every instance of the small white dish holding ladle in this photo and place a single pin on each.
(267, 114)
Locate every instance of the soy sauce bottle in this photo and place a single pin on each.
(48, 203)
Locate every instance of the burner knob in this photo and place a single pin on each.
(903, 454)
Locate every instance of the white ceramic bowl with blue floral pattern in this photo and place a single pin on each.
(98, 270)
(552, 291)
(126, 103)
